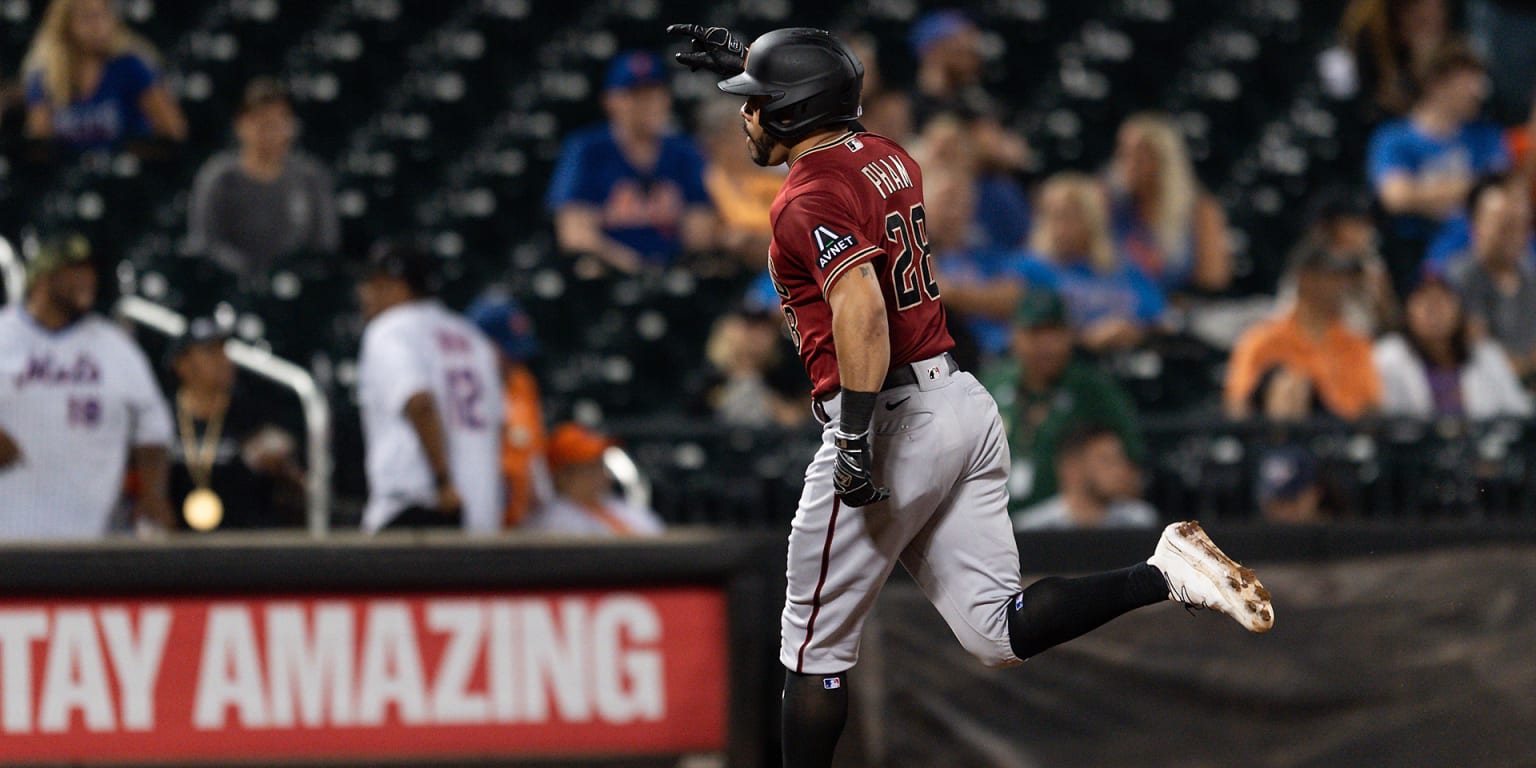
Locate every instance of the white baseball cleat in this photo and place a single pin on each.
(1200, 575)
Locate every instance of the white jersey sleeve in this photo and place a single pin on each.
(149, 415)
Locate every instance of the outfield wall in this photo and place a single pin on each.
(1392, 644)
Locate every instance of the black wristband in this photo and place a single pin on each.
(857, 410)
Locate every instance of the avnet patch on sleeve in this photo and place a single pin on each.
(830, 244)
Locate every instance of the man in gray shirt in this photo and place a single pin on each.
(1497, 284)
(263, 200)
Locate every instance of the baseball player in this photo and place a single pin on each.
(78, 399)
(429, 387)
(914, 462)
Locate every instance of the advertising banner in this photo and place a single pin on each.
(357, 677)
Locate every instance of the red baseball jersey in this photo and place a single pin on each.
(855, 199)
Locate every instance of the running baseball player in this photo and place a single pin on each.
(429, 387)
(913, 463)
(78, 401)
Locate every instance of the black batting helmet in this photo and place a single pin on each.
(810, 78)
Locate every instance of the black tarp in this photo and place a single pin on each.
(1408, 660)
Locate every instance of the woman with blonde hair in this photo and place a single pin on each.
(1166, 224)
(1110, 303)
(91, 82)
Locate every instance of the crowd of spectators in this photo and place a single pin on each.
(1410, 293)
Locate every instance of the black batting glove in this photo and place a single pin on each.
(716, 49)
(852, 477)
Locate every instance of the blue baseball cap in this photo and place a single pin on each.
(1284, 473)
(761, 296)
(634, 69)
(504, 321)
(936, 27)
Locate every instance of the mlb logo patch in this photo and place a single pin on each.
(933, 373)
(853, 144)
(831, 683)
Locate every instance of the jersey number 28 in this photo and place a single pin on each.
(910, 236)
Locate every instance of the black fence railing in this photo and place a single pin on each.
(1205, 467)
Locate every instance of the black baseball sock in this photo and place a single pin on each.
(815, 707)
(1054, 610)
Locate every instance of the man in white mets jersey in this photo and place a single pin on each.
(913, 465)
(430, 390)
(78, 400)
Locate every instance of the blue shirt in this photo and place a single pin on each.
(1002, 213)
(980, 266)
(641, 209)
(1400, 147)
(1452, 246)
(107, 116)
(1090, 296)
(1137, 240)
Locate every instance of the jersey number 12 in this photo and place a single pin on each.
(910, 235)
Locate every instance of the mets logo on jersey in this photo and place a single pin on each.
(830, 245)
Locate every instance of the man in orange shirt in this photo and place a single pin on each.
(524, 462)
(1306, 361)
(585, 503)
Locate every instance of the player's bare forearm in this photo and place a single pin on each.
(860, 332)
(421, 411)
(152, 462)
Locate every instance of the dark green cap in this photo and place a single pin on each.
(1040, 308)
(58, 252)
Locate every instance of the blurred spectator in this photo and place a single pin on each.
(1100, 486)
(631, 191)
(78, 405)
(1505, 32)
(585, 504)
(255, 204)
(1389, 45)
(1437, 369)
(92, 83)
(1341, 222)
(1111, 303)
(12, 107)
(1165, 223)
(977, 252)
(1288, 491)
(234, 467)
(742, 192)
(995, 207)
(947, 45)
(1423, 166)
(524, 443)
(749, 386)
(1452, 250)
(887, 110)
(429, 388)
(1498, 284)
(1306, 361)
(1041, 392)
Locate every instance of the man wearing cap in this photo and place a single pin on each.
(78, 403)
(429, 387)
(1100, 486)
(262, 201)
(524, 444)
(1287, 487)
(233, 467)
(947, 44)
(1042, 392)
(585, 504)
(1306, 361)
(631, 192)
